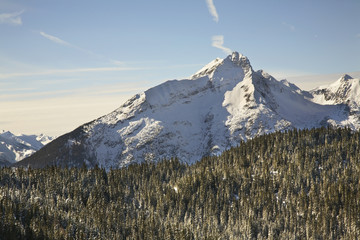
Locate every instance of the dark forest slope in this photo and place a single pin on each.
(299, 184)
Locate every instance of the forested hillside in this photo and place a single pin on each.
(300, 184)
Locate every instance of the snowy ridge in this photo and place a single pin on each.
(223, 103)
(14, 148)
(345, 91)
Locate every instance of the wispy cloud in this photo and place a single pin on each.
(67, 44)
(60, 41)
(218, 42)
(11, 18)
(55, 39)
(212, 10)
(289, 26)
(358, 35)
(66, 71)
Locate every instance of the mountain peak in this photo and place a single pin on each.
(233, 64)
(240, 60)
(235, 56)
(345, 78)
(345, 90)
(7, 134)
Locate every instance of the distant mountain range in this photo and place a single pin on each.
(216, 108)
(14, 148)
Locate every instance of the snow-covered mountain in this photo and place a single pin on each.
(14, 148)
(345, 90)
(217, 107)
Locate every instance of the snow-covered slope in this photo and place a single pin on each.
(217, 107)
(346, 91)
(14, 148)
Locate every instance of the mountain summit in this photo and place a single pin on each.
(222, 104)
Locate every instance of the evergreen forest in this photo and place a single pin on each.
(297, 184)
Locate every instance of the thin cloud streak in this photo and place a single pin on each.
(89, 70)
(32, 95)
(67, 44)
(55, 39)
(218, 42)
(212, 10)
(88, 92)
(11, 18)
(64, 71)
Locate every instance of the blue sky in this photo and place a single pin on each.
(63, 63)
